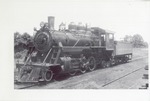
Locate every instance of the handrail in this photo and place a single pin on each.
(28, 59)
(47, 56)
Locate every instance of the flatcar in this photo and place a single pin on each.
(69, 51)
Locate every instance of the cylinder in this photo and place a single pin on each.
(51, 22)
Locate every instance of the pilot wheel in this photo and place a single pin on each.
(48, 75)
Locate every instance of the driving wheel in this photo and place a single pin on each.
(103, 64)
(83, 69)
(72, 73)
(92, 63)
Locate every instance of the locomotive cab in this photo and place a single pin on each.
(105, 38)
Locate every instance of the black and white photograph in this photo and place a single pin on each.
(83, 46)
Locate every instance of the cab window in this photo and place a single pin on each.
(103, 37)
(110, 36)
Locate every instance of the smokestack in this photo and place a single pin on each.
(51, 22)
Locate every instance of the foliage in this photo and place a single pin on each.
(136, 40)
(128, 38)
(21, 41)
(18, 55)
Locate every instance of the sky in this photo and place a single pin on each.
(123, 18)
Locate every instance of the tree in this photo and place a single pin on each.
(17, 38)
(146, 44)
(137, 41)
(21, 41)
(127, 38)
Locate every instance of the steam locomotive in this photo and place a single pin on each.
(70, 51)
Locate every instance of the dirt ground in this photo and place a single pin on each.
(139, 52)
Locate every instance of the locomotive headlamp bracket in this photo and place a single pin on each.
(35, 29)
(42, 24)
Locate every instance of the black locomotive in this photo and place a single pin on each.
(68, 51)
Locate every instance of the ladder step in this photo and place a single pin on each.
(55, 55)
(53, 58)
(55, 52)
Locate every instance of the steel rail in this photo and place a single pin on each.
(122, 77)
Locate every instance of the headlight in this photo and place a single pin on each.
(42, 24)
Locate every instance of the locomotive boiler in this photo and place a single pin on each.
(68, 51)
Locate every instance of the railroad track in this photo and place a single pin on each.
(32, 85)
(139, 58)
(37, 84)
(122, 77)
(28, 86)
(127, 73)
